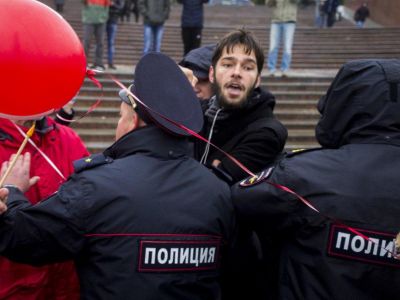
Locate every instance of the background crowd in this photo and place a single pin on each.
(179, 219)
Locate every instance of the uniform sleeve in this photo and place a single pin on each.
(256, 150)
(265, 207)
(50, 231)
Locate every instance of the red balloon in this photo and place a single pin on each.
(42, 61)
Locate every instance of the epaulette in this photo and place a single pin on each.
(91, 162)
(258, 178)
(301, 151)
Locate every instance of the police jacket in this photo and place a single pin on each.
(352, 181)
(251, 134)
(142, 221)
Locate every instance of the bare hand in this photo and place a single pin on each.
(3, 200)
(190, 76)
(216, 163)
(68, 107)
(19, 175)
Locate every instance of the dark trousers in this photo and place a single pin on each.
(331, 19)
(98, 30)
(191, 37)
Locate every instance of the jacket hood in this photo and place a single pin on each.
(361, 105)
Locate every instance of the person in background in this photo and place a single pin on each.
(135, 10)
(342, 247)
(155, 13)
(94, 19)
(361, 14)
(50, 143)
(126, 11)
(329, 8)
(192, 23)
(112, 26)
(143, 220)
(283, 25)
(59, 5)
(199, 61)
(318, 19)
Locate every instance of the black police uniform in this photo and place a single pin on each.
(354, 179)
(138, 223)
(143, 220)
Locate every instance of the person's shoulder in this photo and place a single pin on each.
(302, 151)
(91, 162)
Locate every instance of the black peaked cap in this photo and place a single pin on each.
(161, 85)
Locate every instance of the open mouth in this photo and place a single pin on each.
(234, 88)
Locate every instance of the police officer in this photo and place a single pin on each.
(142, 220)
(352, 181)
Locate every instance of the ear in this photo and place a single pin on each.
(258, 81)
(211, 74)
(135, 121)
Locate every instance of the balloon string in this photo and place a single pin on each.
(195, 134)
(91, 75)
(46, 158)
(240, 165)
(336, 221)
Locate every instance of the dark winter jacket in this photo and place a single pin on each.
(352, 181)
(143, 221)
(115, 11)
(154, 12)
(361, 14)
(251, 134)
(330, 6)
(192, 13)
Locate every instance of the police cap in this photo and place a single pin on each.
(162, 86)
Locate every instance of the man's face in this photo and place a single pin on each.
(235, 76)
(126, 121)
(203, 89)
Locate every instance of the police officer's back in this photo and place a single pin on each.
(143, 220)
(353, 182)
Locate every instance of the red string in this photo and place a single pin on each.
(183, 127)
(91, 75)
(240, 165)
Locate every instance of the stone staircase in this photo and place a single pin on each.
(317, 55)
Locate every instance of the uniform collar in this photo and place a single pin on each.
(149, 140)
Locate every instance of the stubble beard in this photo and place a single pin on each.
(224, 102)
